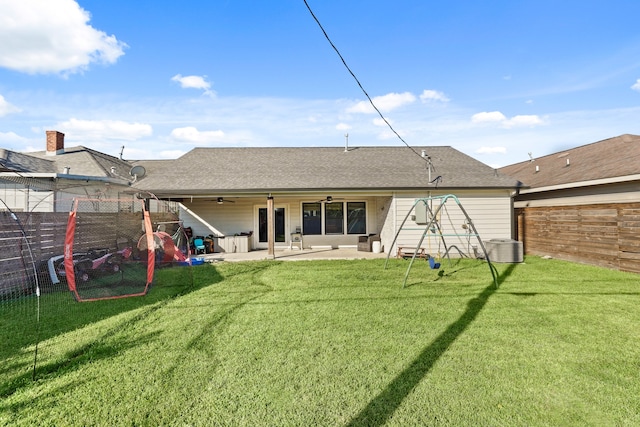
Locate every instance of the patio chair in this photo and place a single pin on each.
(198, 245)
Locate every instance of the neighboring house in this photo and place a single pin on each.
(38, 188)
(36, 181)
(331, 196)
(582, 204)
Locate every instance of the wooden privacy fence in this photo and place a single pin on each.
(606, 235)
(46, 231)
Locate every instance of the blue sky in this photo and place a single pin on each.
(496, 80)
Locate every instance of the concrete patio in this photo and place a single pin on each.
(293, 255)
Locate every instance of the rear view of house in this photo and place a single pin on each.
(275, 198)
(325, 196)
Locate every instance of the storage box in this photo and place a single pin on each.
(365, 242)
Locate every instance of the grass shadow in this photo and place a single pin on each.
(88, 353)
(382, 407)
(533, 294)
(59, 313)
(107, 345)
(262, 289)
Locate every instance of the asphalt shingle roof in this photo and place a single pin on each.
(609, 158)
(84, 161)
(210, 170)
(21, 162)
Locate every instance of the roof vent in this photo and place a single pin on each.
(537, 168)
(568, 162)
(66, 170)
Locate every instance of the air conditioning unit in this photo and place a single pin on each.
(504, 250)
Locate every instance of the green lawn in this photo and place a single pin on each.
(336, 343)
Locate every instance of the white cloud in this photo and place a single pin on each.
(384, 103)
(11, 138)
(491, 150)
(636, 85)
(525, 120)
(194, 82)
(379, 122)
(267, 122)
(343, 126)
(52, 36)
(433, 95)
(488, 117)
(192, 135)
(76, 129)
(388, 134)
(7, 108)
(499, 118)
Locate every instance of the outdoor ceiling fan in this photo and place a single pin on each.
(329, 199)
(221, 200)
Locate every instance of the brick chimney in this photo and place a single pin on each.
(55, 142)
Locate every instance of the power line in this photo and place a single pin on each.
(360, 85)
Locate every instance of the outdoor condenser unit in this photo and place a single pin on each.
(504, 250)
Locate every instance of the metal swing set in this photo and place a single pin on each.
(434, 227)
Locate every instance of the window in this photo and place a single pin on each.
(356, 218)
(312, 218)
(279, 219)
(336, 218)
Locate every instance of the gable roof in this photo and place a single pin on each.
(225, 170)
(607, 159)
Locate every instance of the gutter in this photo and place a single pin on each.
(70, 177)
(284, 192)
(590, 183)
(88, 178)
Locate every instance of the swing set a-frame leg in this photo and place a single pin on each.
(433, 216)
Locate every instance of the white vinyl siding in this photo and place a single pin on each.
(490, 212)
(226, 219)
(624, 192)
(207, 217)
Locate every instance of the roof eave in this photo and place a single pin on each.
(588, 183)
(86, 178)
(202, 193)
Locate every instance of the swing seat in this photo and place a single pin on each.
(433, 264)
